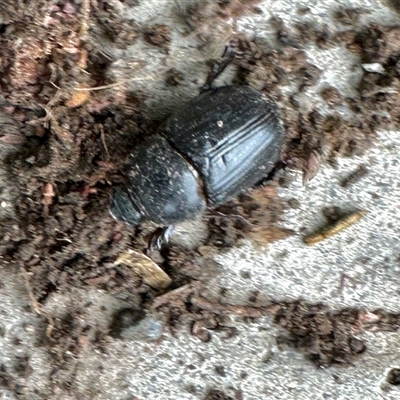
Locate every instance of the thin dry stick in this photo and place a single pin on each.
(181, 292)
(85, 11)
(103, 139)
(227, 309)
(36, 305)
(111, 85)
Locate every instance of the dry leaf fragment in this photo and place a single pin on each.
(145, 268)
(48, 194)
(312, 167)
(77, 99)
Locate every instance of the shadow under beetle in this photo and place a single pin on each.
(216, 146)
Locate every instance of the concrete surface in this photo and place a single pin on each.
(150, 364)
(367, 252)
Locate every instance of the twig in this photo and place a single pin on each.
(85, 10)
(111, 85)
(103, 139)
(36, 305)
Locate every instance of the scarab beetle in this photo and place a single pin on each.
(216, 146)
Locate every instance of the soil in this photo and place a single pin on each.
(64, 145)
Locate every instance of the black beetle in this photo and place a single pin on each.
(221, 143)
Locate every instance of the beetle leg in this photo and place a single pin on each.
(218, 67)
(159, 238)
(279, 166)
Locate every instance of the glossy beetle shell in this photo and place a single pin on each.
(216, 146)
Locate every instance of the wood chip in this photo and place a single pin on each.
(145, 268)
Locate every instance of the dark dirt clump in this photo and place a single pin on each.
(254, 215)
(325, 337)
(329, 337)
(206, 18)
(125, 318)
(309, 130)
(217, 395)
(159, 35)
(63, 232)
(393, 377)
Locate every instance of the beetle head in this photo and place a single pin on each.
(123, 207)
